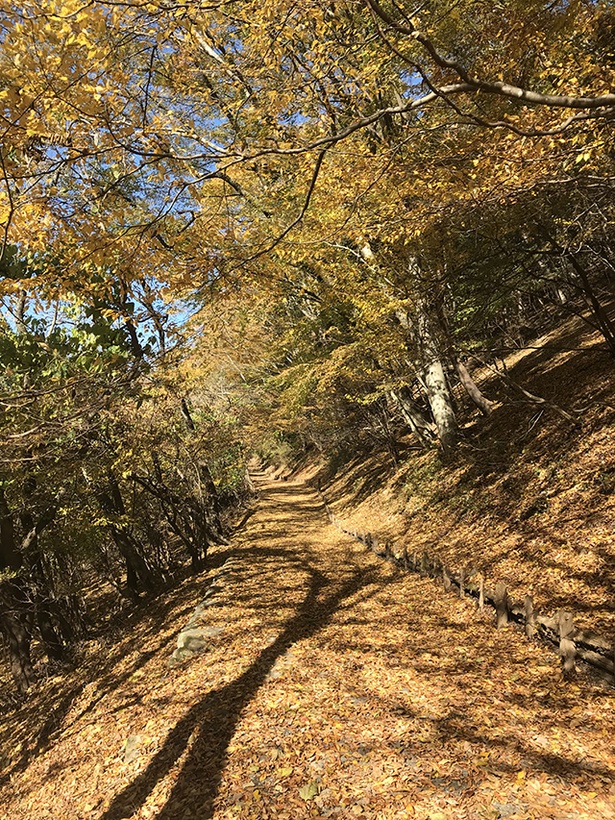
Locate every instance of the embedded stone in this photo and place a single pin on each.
(193, 640)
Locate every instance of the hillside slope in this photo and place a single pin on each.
(528, 499)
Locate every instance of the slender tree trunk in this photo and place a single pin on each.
(439, 397)
(49, 636)
(132, 580)
(10, 557)
(14, 623)
(136, 564)
(41, 587)
(471, 388)
(422, 326)
(212, 501)
(209, 499)
(13, 618)
(186, 526)
(438, 391)
(62, 611)
(137, 568)
(43, 610)
(604, 323)
(436, 386)
(18, 639)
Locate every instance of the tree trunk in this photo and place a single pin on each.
(18, 639)
(49, 636)
(137, 568)
(183, 515)
(13, 618)
(132, 581)
(440, 402)
(209, 499)
(13, 623)
(213, 501)
(42, 608)
(604, 323)
(426, 333)
(423, 429)
(10, 557)
(471, 388)
(62, 610)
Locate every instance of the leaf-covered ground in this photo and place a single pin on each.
(336, 687)
(527, 499)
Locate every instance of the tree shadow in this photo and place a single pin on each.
(210, 724)
(552, 763)
(37, 721)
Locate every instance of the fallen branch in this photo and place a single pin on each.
(531, 397)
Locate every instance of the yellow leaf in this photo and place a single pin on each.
(285, 772)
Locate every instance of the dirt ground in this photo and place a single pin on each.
(333, 686)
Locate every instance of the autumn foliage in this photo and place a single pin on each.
(277, 233)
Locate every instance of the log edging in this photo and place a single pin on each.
(570, 641)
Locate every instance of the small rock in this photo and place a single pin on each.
(507, 809)
(192, 640)
(131, 748)
(212, 631)
(175, 660)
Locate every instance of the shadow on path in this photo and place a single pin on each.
(212, 721)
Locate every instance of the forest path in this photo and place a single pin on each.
(338, 687)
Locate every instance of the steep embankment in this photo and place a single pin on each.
(528, 498)
(333, 686)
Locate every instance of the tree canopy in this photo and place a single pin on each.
(238, 227)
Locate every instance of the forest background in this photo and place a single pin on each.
(240, 228)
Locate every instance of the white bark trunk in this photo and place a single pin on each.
(438, 391)
(439, 397)
(471, 388)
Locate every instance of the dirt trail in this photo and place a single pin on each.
(338, 687)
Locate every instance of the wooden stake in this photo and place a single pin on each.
(462, 588)
(501, 604)
(567, 647)
(481, 591)
(446, 578)
(530, 617)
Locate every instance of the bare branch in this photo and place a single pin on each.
(502, 89)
